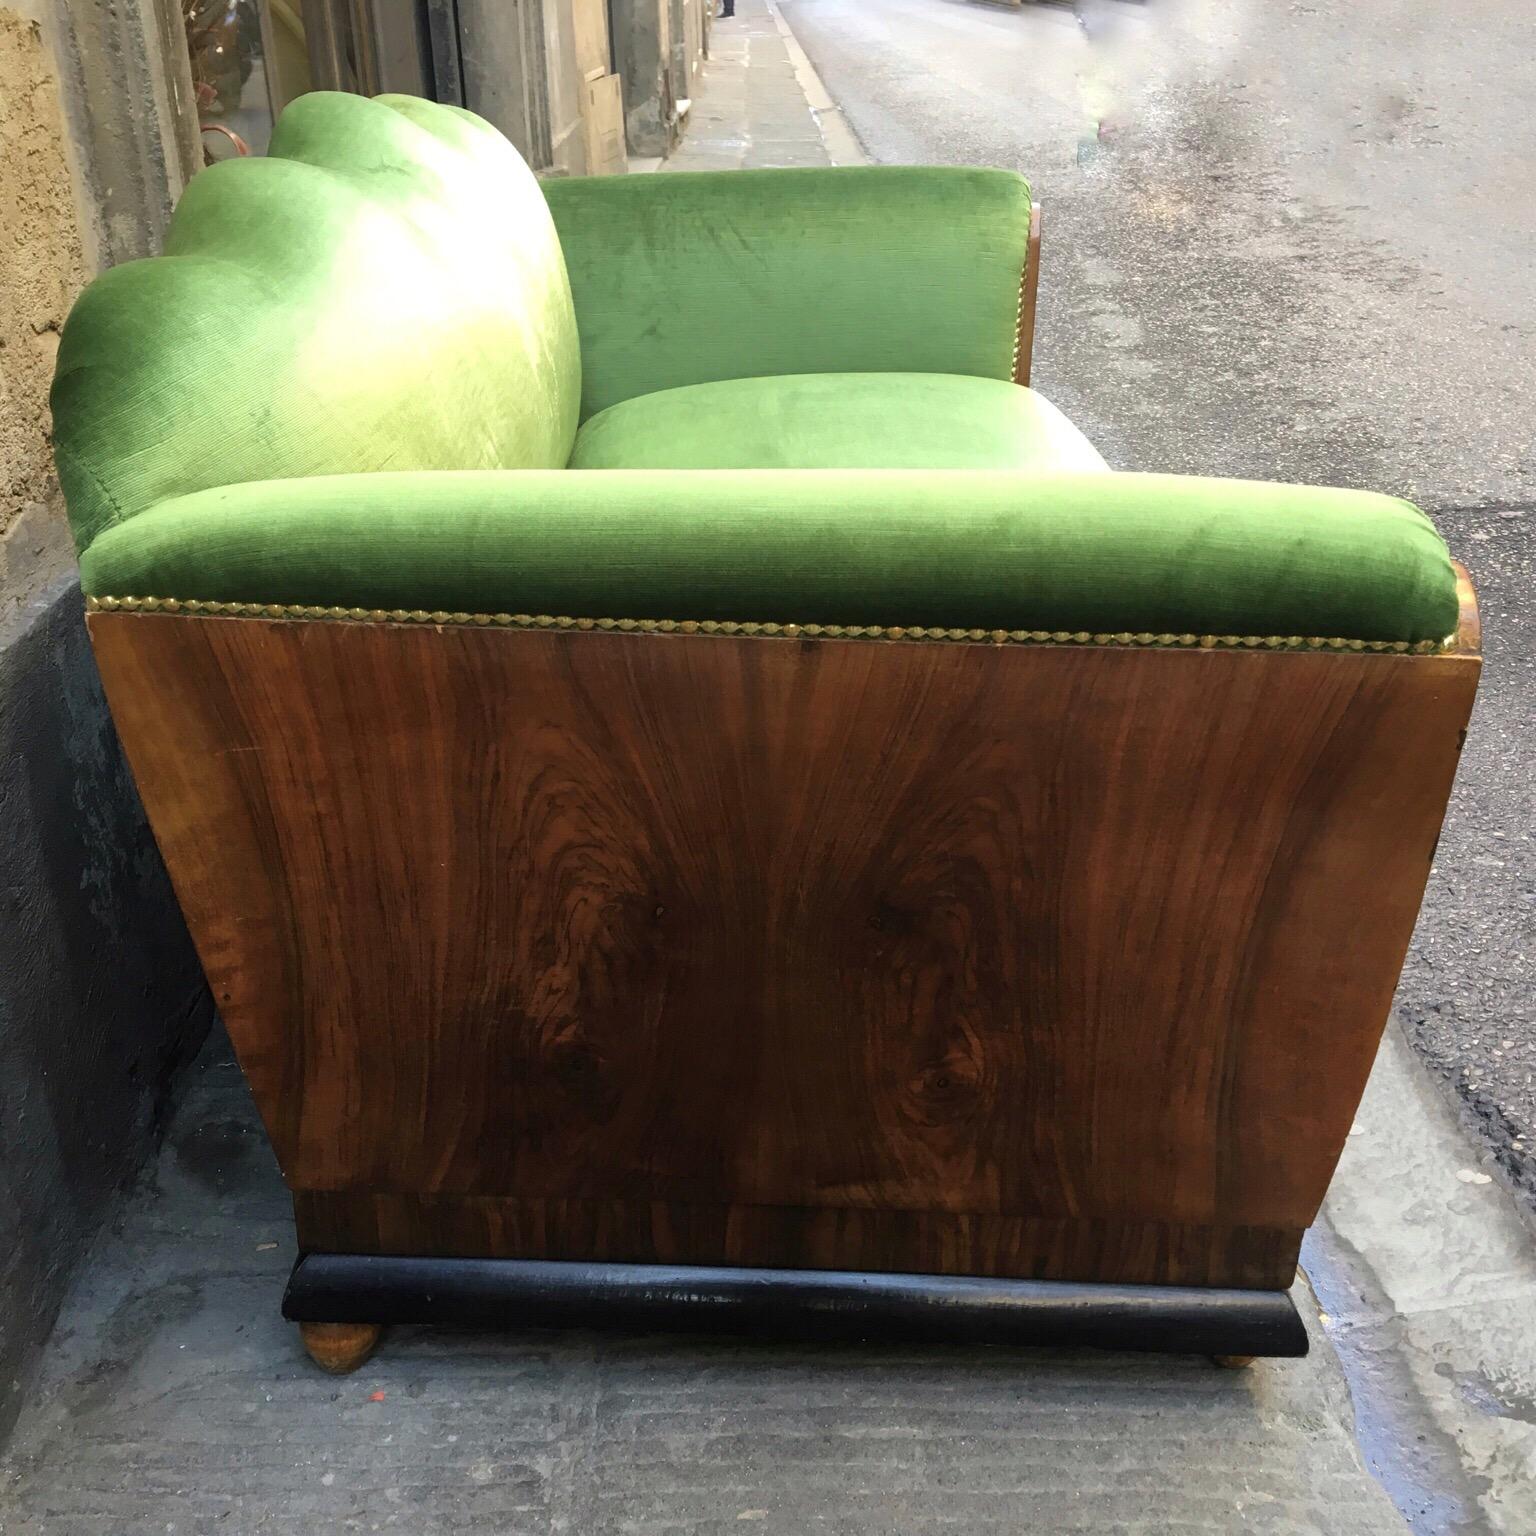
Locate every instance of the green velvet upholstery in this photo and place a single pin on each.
(837, 421)
(689, 278)
(384, 291)
(355, 381)
(1111, 552)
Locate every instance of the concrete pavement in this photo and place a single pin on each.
(1426, 1272)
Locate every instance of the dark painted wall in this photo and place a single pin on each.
(642, 54)
(101, 996)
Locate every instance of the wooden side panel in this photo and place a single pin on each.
(1061, 935)
(797, 1237)
(1029, 293)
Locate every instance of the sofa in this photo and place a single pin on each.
(702, 799)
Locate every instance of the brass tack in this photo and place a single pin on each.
(192, 605)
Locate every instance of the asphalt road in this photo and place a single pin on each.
(1299, 247)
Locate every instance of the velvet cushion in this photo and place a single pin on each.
(688, 278)
(385, 290)
(837, 421)
(962, 548)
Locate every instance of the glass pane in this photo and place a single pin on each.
(249, 59)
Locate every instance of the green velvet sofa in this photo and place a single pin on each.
(692, 784)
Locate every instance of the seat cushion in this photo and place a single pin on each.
(837, 421)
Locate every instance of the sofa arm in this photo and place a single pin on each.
(687, 278)
(1146, 554)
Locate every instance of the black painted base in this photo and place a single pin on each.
(790, 1303)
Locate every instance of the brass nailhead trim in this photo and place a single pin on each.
(1018, 318)
(440, 618)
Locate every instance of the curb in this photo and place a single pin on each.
(843, 147)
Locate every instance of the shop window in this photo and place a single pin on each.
(250, 58)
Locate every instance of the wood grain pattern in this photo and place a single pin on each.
(1070, 944)
(1029, 289)
(804, 1237)
(1469, 624)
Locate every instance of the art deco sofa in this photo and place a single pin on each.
(698, 794)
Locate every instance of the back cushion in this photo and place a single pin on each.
(383, 291)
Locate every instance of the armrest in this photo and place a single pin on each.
(1145, 554)
(685, 278)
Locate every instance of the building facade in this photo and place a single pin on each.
(575, 84)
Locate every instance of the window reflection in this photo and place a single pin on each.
(249, 59)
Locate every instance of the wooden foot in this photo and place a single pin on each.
(1234, 1362)
(339, 1347)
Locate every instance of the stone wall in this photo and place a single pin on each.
(101, 997)
(41, 265)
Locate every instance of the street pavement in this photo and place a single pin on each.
(1294, 242)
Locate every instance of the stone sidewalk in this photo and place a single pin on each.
(760, 102)
(175, 1400)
